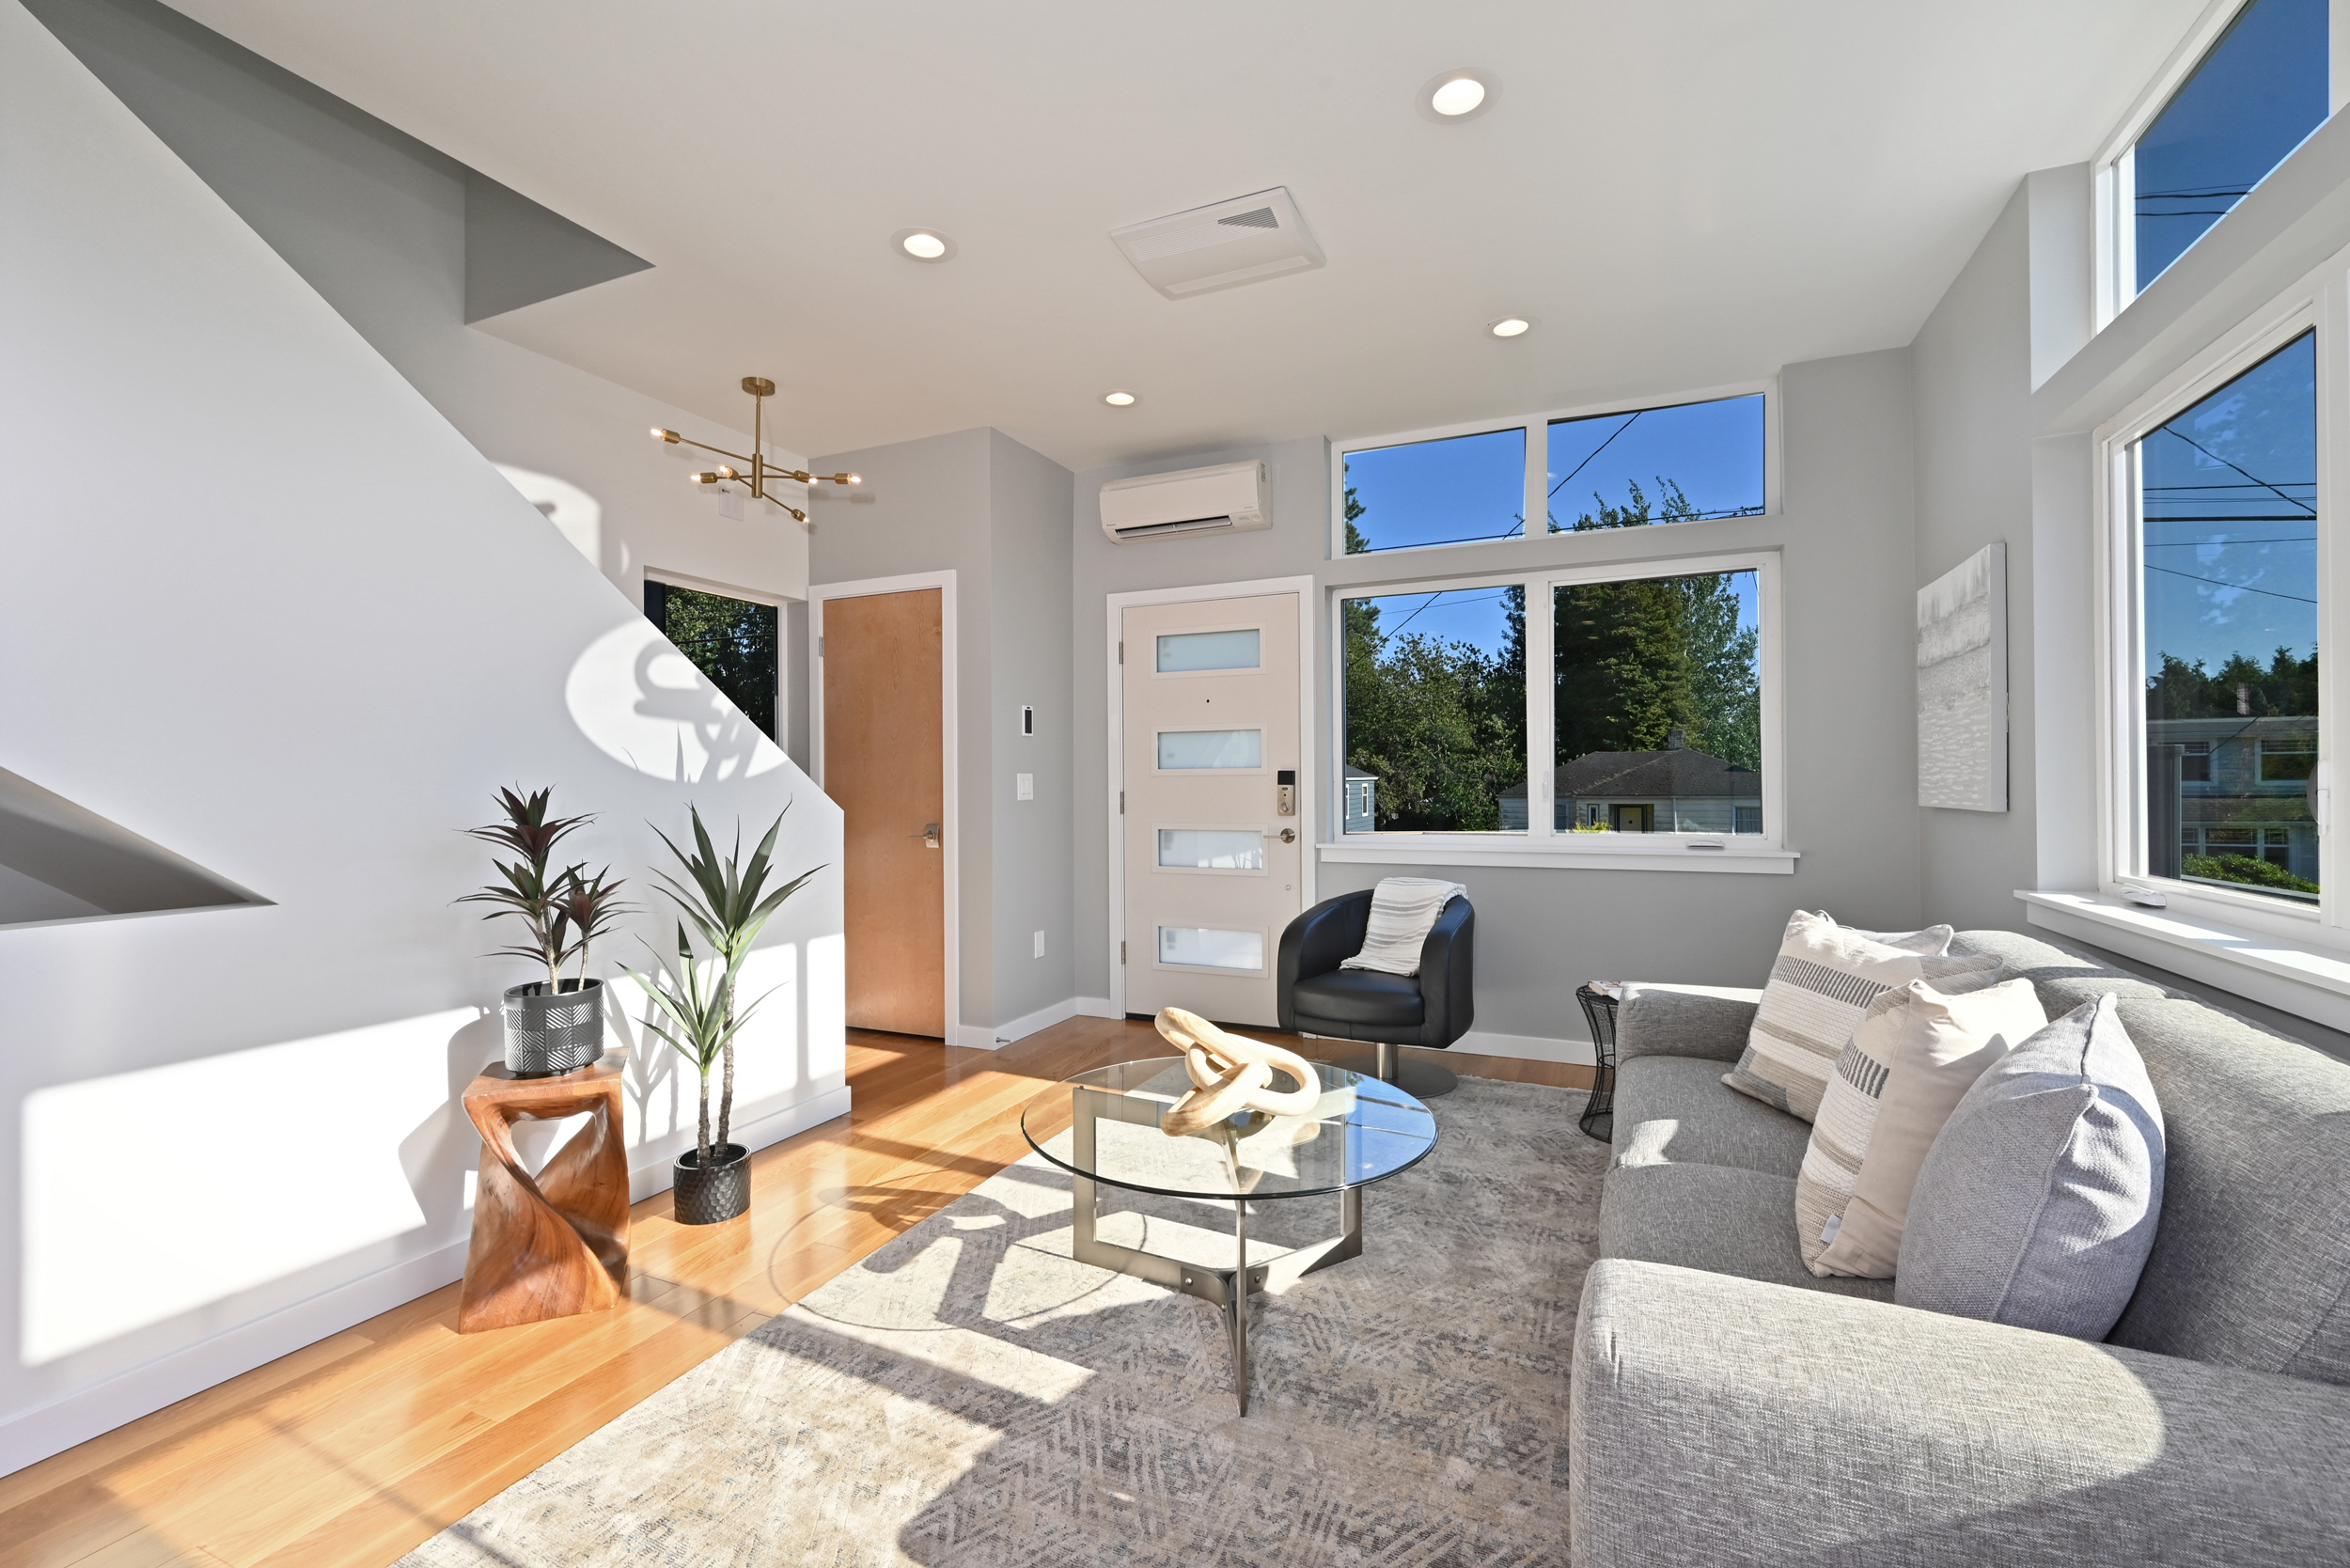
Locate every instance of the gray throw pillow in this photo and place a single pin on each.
(2036, 1205)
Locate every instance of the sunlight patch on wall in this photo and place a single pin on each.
(576, 515)
(643, 703)
(225, 1193)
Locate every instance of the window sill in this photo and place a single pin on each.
(2266, 968)
(1444, 848)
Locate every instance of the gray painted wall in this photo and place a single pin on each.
(1847, 533)
(995, 513)
(1973, 367)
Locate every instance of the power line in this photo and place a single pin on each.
(2289, 500)
(2223, 543)
(2240, 588)
(1596, 450)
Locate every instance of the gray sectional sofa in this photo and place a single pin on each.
(1728, 1407)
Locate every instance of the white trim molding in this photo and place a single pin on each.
(1682, 852)
(2260, 966)
(948, 712)
(1114, 608)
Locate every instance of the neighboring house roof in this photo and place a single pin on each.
(1674, 771)
(1353, 773)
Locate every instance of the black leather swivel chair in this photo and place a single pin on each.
(1433, 1008)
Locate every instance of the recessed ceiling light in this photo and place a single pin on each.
(923, 244)
(1511, 327)
(1457, 95)
(1118, 399)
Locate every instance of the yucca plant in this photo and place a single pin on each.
(590, 906)
(701, 1022)
(529, 889)
(727, 901)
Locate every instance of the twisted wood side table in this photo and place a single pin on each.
(556, 1244)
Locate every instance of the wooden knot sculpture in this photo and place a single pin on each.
(1231, 1074)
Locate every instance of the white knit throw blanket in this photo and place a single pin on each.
(1402, 908)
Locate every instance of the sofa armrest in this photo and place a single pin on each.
(1448, 977)
(1684, 1021)
(1316, 943)
(1719, 1420)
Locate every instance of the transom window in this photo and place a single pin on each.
(1627, 467)
(2252, 97)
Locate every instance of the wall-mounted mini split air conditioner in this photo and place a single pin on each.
(1231, 497)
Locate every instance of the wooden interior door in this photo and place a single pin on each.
(884, 764)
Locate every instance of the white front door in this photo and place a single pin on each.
(1212, 733)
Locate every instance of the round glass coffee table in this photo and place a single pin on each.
(1103, 1126)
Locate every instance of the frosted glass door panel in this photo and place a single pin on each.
(1211, 849)
(1183, 651)
(1211, 748)
(1197, 947)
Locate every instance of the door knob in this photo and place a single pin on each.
(929, 836)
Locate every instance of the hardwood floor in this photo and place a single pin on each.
(356, 1449)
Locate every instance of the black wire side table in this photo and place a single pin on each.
(1599, 1012)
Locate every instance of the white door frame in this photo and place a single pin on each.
(1307, 797)
(818, 594)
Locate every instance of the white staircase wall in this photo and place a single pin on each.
(269, 610)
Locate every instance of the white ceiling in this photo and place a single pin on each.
(1683, 192)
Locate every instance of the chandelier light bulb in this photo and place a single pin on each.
(848, 478)
(660, 434)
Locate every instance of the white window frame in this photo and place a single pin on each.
(1535, 502)
(2115, 166)
(1539, 844)
(2320, 304)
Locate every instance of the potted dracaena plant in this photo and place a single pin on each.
(553, 1025)
(727, 903)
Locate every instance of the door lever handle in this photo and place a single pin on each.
(929, 836)
(1287, 834)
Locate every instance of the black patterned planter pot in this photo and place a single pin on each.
(720, 1193)
(548, 1033)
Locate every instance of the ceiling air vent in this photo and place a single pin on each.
(1232, 243)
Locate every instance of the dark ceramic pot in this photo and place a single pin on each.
(720, 1193)
(550, 1033)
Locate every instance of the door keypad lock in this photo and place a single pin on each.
(1285, 795)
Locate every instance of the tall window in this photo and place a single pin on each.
(2254, 96)
(1652, 722)
(1436, 708)
(2228, 514)
(1657, 691)
(731, 641)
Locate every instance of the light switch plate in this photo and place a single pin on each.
(1040, 944)
(1024, 785)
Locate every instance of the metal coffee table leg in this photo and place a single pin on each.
(1227, 1289)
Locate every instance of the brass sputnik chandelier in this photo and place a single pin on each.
(756, 477)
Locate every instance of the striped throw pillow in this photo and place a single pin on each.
(1914, 1045)
(1819, 989)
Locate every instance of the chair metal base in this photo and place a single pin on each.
(1227, 1289)
(1414, 1075)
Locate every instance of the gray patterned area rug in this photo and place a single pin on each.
(969, 1397)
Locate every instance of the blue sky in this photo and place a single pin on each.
(2228, 498)
(2256, 95)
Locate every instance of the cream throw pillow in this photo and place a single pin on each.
(1825, 978)
(1909, 1063)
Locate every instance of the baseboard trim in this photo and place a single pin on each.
(75, 1418)
(979, 1038)
(1528, 1047)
